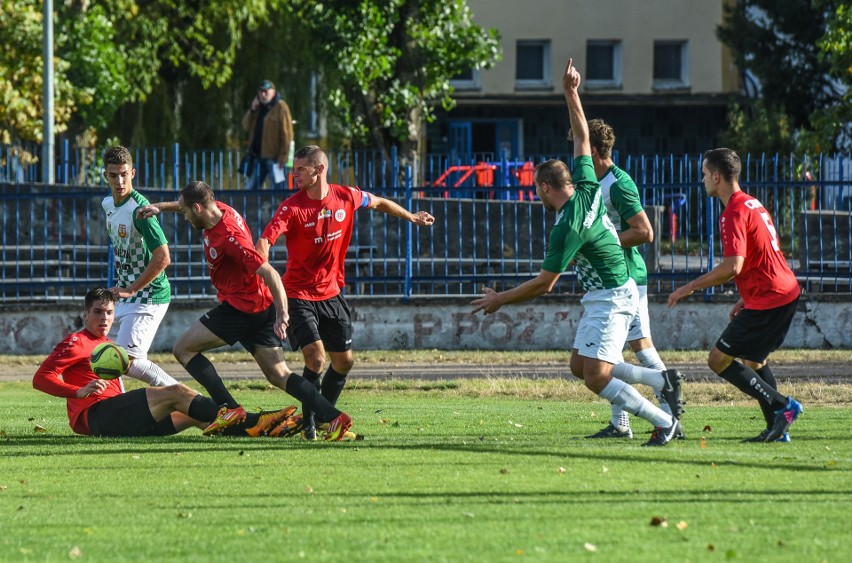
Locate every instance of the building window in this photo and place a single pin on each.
(467, 80)
(670, 64)
(603, 64)
(532, 66)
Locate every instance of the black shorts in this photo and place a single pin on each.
(329, 321)
(249, 329)
(753, 334)
(127, 415)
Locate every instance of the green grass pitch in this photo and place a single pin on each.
(440, 476)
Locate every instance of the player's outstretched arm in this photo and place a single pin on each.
(153, 209)
(579, 125)
(491, 301)
(389, 207)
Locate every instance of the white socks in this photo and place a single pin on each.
(149, 372)
(649, 374)
(629, 399)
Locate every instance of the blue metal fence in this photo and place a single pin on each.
(489, 229)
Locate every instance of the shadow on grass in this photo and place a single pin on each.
(86, 445)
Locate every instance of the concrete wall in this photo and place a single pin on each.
(823, 321)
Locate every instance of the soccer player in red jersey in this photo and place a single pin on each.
(100, 407)
(253, 311)
(769, 295)
(317, 223)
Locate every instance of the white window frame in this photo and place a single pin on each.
(544, 81)
(683, 81)
(467, 84)
(616, 80)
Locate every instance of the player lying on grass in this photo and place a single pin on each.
(101, 407)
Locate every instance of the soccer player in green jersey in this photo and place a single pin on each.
(141, 255)
(627, 214)
(583, 233)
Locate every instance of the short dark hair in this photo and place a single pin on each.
(117, 155)
(313, 153)
(601, 137)
(724, 161)
(98, 294)
(554, 173)
(197, 192)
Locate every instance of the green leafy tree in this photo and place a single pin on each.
(21, 70)
(757, 129)
(387, 64)
(798, 51)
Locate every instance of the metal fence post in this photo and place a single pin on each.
(176, 165)
(408, 231)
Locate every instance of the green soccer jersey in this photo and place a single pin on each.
(584, 233)
(621, 197)
(133, 239)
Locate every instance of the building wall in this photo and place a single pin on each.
(647, 117)
(569, 24)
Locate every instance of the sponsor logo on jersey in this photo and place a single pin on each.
(334, 236)
(324, 214)
(206, 241)
(213, 253)
(340, 215)
(311, 224)
(122, 230)
(318, 240)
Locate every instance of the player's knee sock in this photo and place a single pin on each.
(332, 385)
(203, 408)
(766, 374)
(314, 379)
(629, 399)
(149, 372)
(304, 391)
(749, 382)
(649, 358)
(638, 374)
(200, 368)
(619, 416)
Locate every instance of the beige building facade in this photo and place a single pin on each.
(654, 69)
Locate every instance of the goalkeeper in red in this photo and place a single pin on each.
(100, 407)
(769, 295)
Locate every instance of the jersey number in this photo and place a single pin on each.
(773, 234)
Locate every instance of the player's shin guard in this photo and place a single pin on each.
(204, 373)
(629, 399)
(149, 372)
(302, 390)
(332, 385)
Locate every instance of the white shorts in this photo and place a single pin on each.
(137, 326)
(640, 326)
(603, 328)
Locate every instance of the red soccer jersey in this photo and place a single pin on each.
(765, 282)
(233, 263)
(66, 370)
(318, 234)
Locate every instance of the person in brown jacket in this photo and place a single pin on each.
(270, 134)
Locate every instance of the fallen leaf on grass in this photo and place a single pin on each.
(519, 552)
(659, 521)
(708, 428)
(184, 515)
(39, 428)
(590, 547)
(703, 442)
(561, 470)
(75, 553)
(309, 489)
(504, 470)
(468, 514)
(681, 525)
(711, 547)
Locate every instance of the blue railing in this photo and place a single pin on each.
(489, 229)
